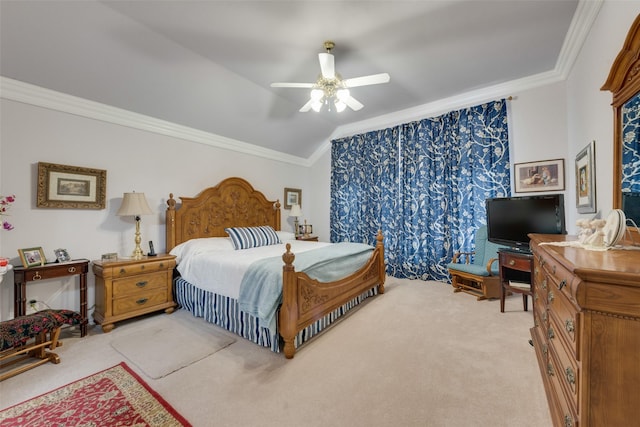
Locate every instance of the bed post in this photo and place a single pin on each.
(381, 266)
(171, 223)
(289, 310)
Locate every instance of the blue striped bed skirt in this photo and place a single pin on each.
(225, 312)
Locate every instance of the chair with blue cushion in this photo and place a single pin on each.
(477, 273)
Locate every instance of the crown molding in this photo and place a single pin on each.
(35, 95)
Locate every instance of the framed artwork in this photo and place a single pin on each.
(585, 179)
(61, 186)
(62, 255)
(292, 196)
(544, 175)
(32, 257)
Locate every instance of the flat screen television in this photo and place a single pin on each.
(511, 219)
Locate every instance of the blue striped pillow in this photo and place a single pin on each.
(252, 237)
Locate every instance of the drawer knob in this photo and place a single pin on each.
(544, 284)
(545, 349)
(569, 325)
(571, 376)
(553, 269)
(550, 297)
(37, 276)
(71, 269)
(551, 334)
(141, 301)
(512, 262)
(141, 284)
(568, 421)
(550, 370)
(562, 284)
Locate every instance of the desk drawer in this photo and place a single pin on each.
(515, 262)
(139, 284)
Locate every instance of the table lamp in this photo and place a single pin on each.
(295, 212)
(135, 204)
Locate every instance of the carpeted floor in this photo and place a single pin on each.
(419, 355)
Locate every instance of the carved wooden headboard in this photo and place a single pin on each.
(232, 203)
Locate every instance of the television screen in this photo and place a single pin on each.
(511, 219)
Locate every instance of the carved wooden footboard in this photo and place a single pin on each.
(235, 203)
(305, 300)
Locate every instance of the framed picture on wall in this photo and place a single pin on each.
(62, 186)
(544, 175)
(292, 196)
(585, 179)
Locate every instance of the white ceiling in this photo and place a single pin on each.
(208, 65)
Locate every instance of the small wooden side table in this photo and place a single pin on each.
(515, 267)
(23, 275)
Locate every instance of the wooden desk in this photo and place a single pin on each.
(22, 275)
(517, 267)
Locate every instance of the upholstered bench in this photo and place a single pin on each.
(29, 337)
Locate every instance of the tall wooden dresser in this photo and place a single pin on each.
(586, 332)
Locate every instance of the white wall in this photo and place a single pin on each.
(134, 160)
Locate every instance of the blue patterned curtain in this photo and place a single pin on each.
(423, 184)
(631, 145)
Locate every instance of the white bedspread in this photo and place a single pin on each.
(213, 265)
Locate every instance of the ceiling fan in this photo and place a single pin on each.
(331, 87)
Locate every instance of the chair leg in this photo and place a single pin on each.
(525, 302)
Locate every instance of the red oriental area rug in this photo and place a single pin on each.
(114, 397)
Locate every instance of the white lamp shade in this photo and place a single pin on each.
(134, 204)
(295, 211)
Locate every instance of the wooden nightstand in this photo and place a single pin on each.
(127, 288)
(308, 238)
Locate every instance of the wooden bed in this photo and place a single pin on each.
(235, 203)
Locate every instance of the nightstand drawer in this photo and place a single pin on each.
(515, 262)
(138, 284)
(141, 268)
(134, 303)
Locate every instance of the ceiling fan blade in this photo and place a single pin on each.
(296, 85)
(306, 107)
(327, 65)
(352, 103)
(373, 79)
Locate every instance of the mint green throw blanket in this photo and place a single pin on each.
(261, 286)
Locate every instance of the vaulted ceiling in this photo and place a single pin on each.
(208, 65)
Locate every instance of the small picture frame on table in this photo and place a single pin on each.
(62, 255)
(32, 257)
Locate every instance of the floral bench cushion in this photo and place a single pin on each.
(16, 332)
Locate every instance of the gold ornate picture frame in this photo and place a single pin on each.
(71, 187)
(32, 257)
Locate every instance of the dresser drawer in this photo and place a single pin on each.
(566, 406)
(566, 320)
(142, 268)
(559, 279)
(566, 371)
(139, 284)
(134, 303)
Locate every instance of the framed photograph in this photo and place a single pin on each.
(585, 179)
(292, 196)
(305, 229)
(32, 257)
(545, 175)
(61, 186)
(62, 255)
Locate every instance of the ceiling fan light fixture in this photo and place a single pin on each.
(340, 106)
(317, 94)
(342, 94)
(316, 106)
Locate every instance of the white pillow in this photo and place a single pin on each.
(201, 245)
(285, 235)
